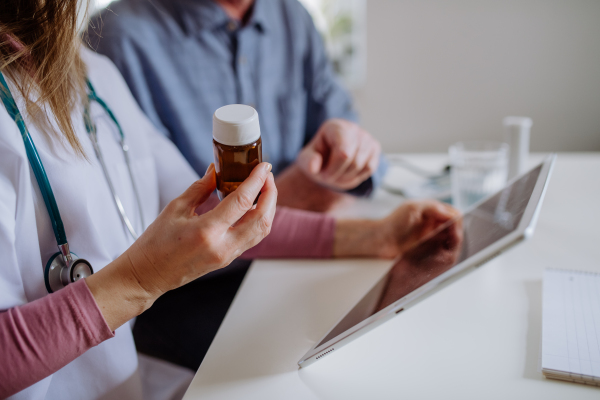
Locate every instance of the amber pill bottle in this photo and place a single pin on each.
(237, 146)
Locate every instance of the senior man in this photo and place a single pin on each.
(183, 59)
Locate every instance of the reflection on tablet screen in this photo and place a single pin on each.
(447, 246)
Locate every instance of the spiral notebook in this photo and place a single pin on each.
(571, 326)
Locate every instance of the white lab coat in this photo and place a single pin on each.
(92, 222)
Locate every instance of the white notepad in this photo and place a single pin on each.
(571, 326)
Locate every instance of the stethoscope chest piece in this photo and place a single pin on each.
(61, 270)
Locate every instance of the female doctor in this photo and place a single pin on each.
(82, 174)
(58, 208)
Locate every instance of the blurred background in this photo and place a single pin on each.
(428, 73)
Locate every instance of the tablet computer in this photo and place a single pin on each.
(485, 230)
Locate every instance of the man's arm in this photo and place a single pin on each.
(339, 156)
(329, 100)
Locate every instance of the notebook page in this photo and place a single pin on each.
(571, 324)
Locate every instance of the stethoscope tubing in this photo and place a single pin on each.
(40, 173)
(116, 198)
(91, 129)
(60, 269)
(36, 164)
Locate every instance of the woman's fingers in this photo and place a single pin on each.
(238, 203)
(435, 217)
(199, 191)
(441, 211)
(256, 224)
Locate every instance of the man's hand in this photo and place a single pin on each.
(341, 156)
(296, 190)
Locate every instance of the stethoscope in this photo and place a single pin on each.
(66, 267)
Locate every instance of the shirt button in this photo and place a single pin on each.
(231, 26)
(243, 60)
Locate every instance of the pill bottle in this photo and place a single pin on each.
(237, 146)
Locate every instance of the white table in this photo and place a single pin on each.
(479, 338)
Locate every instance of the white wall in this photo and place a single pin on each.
(440, 71)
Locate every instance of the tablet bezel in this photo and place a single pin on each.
(524, 231)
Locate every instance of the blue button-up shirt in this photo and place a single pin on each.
(183, 59)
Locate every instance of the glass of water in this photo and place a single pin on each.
(479, 169)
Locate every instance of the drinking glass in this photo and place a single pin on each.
(478, 169)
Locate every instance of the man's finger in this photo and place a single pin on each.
(234, 206)
(343, 148)
(372, 162)
(359, 166)
(310, 161)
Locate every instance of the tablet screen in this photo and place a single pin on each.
(445, 247)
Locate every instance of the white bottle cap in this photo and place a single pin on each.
(236, 125)
(524, 122)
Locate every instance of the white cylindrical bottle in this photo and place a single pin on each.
(516, 134)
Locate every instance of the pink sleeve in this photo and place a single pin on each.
(39, 338)
(295, 234)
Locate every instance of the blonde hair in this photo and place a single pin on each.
(39, 51)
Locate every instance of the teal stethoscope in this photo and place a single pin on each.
(66, 267)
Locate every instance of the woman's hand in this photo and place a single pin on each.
(426, 260)
(410, 223)
(393, 235)
(180, 245)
